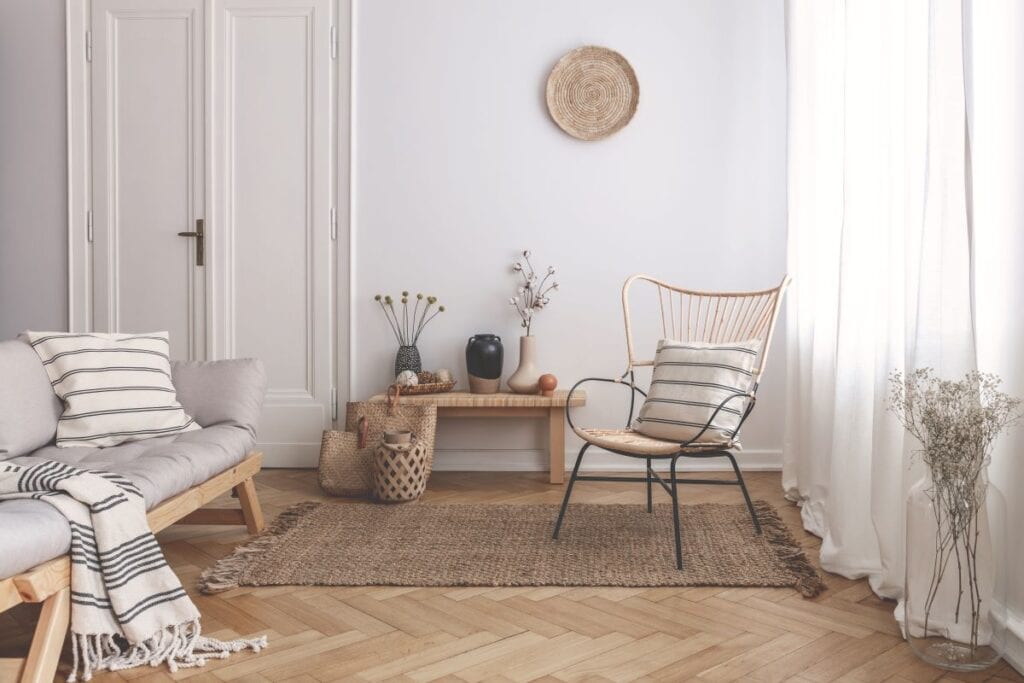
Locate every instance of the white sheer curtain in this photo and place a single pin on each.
(879, 247)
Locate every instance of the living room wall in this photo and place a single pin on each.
(457, 167)
(33, 175)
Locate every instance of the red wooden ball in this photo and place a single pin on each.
(547, 384)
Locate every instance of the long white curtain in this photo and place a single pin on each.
(879, 247)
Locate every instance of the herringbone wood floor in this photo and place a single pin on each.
(521, 634)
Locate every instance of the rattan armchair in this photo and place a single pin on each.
(685, 315)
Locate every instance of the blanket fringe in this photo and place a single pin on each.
(808, 581)
(225, 574)
(181, 647)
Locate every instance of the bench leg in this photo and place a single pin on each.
(556, 445)
(44, 654)
(250, 506)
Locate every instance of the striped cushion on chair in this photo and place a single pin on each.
(115, 387)
(689, 382)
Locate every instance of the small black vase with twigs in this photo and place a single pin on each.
(408, 326)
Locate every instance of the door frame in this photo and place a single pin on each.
(79, 122)
(79, 142)
(80, 246)
(78, 49)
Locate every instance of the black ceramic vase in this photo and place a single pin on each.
(484, 358)
(408, 358)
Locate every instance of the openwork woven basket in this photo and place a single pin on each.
(400, 471)
(592, 92)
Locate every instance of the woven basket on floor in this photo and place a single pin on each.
(345, 469)
(381, 416)
(400, 471)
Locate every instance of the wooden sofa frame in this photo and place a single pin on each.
(50, 582)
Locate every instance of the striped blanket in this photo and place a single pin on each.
(127, 606)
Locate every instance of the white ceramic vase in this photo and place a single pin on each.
(524, 379)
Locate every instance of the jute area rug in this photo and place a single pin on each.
(417, 544)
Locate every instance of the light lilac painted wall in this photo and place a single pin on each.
(457, 165)
(33, 167)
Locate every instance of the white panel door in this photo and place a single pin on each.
(148, 177)
(271, 243)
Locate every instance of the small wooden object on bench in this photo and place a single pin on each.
(50, 582)
(464, 404)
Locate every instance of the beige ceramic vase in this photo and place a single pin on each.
(525, 379)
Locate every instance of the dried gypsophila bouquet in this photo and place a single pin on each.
(957, 423)
(407, 329)
(532, 294)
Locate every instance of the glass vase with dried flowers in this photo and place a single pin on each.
(532, 295)
(952, 610)
(407, 327)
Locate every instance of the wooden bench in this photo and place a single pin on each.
(552, 408)
(50, 582)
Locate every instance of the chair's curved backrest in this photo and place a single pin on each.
(713, 317)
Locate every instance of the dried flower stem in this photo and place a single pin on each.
(957, 423)
(532, 296)
(406, 327)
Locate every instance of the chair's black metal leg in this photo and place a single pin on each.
(746, 494)
(568, 490)
(650, 502)
(675, 515)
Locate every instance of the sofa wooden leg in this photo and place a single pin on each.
(44, 654)
(250, 506)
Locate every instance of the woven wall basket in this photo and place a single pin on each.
(592, 92)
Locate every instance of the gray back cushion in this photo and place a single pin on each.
(28, 407)
(221, 391)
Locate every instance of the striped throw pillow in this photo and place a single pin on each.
(115, 387)
(689, 382)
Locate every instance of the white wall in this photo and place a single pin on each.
(33, 167)
(457, 166)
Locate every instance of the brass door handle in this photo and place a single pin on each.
(200, 235)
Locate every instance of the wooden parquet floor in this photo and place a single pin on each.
(527, 634)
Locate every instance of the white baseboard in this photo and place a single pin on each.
(505, 460)
(1014, 648)
(533, 460)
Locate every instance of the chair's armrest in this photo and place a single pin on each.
(751, 397)
(620, 381)
(221, 391)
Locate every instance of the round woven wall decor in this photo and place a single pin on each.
(592, 92)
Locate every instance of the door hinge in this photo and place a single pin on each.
(334, 42)
(334, 403)
(88, 46)
(334, 223)
(88, 226)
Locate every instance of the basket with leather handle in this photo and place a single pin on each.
(389, 415)
(346, 462)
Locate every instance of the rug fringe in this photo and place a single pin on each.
(809, 583)
(225, 573)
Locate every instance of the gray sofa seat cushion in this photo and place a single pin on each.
(224, 396)
(33, 531)
(28, 407)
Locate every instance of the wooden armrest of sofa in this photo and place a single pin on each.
(50, 582)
